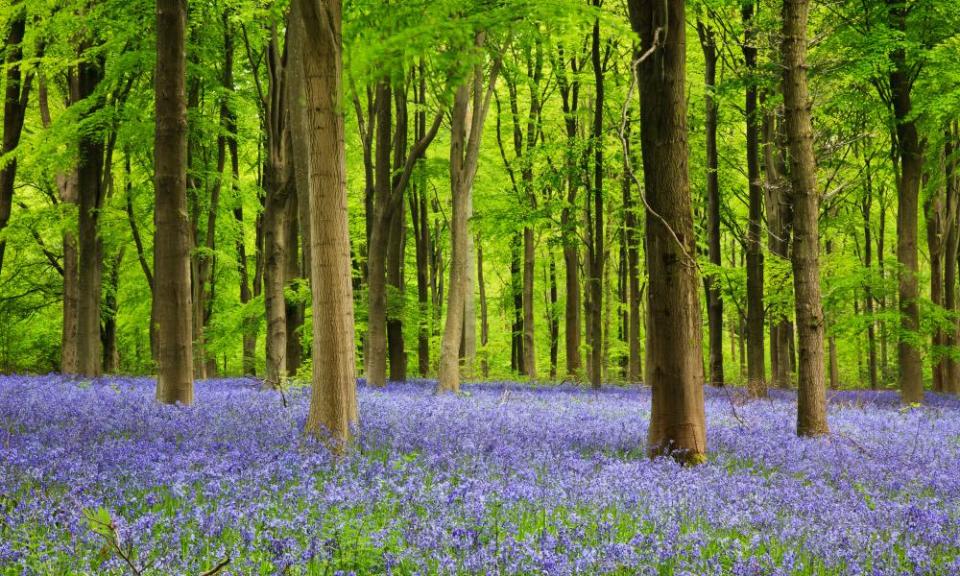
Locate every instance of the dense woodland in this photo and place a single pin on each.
(675, 193)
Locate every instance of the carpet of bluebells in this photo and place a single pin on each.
(501, 480)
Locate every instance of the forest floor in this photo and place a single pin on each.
(96, 478)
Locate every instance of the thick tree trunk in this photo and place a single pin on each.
(172, 230)
(674, 354)
(811, 395)
(910, 153)
(714, 301)
(274, 274)
(90, 197)
(756, 370)
(333, 403)
(16, 94)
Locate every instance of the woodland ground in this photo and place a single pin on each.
(502, 480)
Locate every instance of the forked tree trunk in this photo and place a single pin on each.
(172, 233)
(333, 403)
(811, 394)
(674, 354)
(464, 156)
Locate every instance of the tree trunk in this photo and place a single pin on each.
(952, 384)
(15, 100)
(375, 356)
(516, 286)
(464, 156)
(910, 153)
(421, 233)
(553, 319)
(674, 354)
(868, 264)
(294, 308)
(395, 256)
(714, 301)
(935, 217)
(756, 370)
(484, 324)
(811, 395)
(111, 356)
(333, 403)
(529, 270)
(596, 247)
(569, 91)
(69, 363)
(172, 230)
(778, 225)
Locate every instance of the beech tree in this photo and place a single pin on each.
(172, 236)
(316, 28)
(674, 361)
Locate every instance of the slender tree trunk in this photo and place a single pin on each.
(516, 286)
(756, 371)
(333, 403)
(395, 254)
(569, 92)
(464, 157)
(69, 363)
(172, 230)
(16, 94)
(934, 212)
(111, 356)
(484, 324)
(529, 270)
(952, 384)
(375, 356)
(553, 319)
(674, 353)
(910, 153)
(714, 302)
(866, 208)
(597, 254)
(811, 395)
(777, 204)
(421, 232)
(293, 271)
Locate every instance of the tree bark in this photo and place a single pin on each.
(172, 230)
(674, 354)
(570, 91)
(16, 95)
(333, 402)
(756, 370)
(952, 384)
(464, 157)
(596, 246)
(910, 152)
(714, 301)
(866, 208)
(484, 324)
(811, 395)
